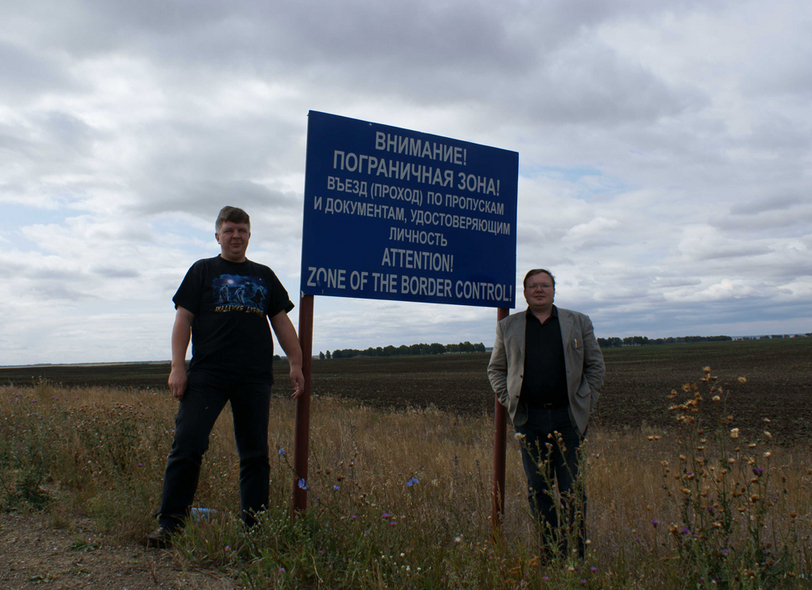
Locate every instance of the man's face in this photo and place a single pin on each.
(233, 239)
(539, 291)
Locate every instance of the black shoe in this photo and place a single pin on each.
(160, 538)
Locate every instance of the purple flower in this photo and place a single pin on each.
(593, 569)
(335, 487)
(685, 531)
(385, 515)
(412, 481)
(302, 484)
(281, 570)
(654, 523)
(757, 470)
(281, 452)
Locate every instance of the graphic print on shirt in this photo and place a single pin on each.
(239, 293)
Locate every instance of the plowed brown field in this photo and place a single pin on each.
(638, 380)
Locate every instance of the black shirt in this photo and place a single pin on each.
(231, 302)
(544, 382)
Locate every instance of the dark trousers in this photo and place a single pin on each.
(550, 453)
(205, 397)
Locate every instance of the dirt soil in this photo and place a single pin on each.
(35, 555)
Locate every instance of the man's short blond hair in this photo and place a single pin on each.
(234, 215)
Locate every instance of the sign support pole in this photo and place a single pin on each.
(499, 452)
(301, 447)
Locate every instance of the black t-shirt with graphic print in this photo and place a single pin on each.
(231, 303)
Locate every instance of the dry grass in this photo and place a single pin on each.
(387, 491)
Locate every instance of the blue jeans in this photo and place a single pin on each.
(544, 465)
(205, 397)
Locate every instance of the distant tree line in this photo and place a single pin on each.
(644, 340)
(404, 350)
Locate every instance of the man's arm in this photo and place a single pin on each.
(594, 369)
(181, 334)
(497, 368)
(286, 334)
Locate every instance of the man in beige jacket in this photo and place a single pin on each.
(547, 370)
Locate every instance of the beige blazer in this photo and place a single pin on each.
(582, 357)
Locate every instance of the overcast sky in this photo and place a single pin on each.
(664, 148)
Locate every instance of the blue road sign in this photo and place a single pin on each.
(391, 213)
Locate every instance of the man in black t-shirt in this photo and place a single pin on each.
(223, 306)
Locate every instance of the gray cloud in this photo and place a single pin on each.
(664, 153)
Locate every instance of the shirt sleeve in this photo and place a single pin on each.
(188, 295)
(279, 299)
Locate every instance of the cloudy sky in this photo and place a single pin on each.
(665, 156)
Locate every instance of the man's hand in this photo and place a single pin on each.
(177, 382)
(297, 380)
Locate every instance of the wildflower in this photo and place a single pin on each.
(716, 398)
(734, 433)
(335, 487)
(685, 531)
(302, 484)
(412, 481)
(354, 517)
(593, 569)
(385, 515)
(393, 523)
(742, 380)
(228, 547)
(458, 539)
(758, 470)
(281, 452)
(767, 454)
(654, 523)
(281, 570)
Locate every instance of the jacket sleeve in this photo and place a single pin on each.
(497, 368)
(594, 368)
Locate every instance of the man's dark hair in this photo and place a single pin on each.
(536, 271)
(234, 215)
